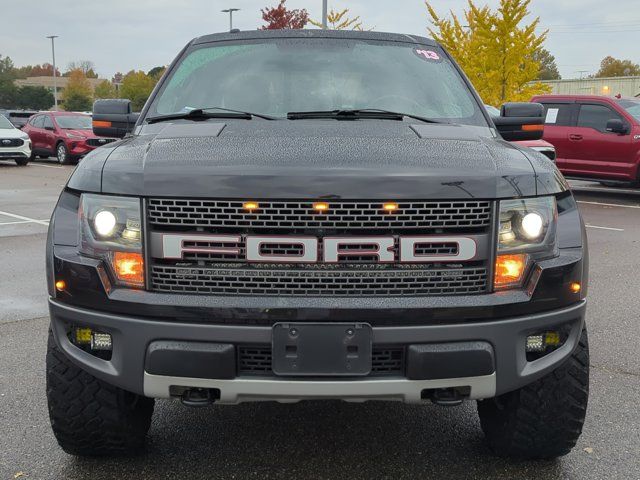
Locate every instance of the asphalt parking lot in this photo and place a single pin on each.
(314, 440)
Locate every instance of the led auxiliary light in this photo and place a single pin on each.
(532, 225)
(105, 223)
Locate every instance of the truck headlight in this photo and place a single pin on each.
(110, 229)
(527, 233)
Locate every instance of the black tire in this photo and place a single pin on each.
(21, 162)
(90, 417)
(544, 419)
(62, 153)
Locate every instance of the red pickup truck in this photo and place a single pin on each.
(596, 138)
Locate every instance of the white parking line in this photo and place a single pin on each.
(29, 220)
(45, 166)
(609, 204)
(605, 228)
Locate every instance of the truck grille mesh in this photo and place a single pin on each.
(300, 215)
(318, 282)
(256, 360)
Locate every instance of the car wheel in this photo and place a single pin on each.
(22, 161)
(542, 420)
(63, 154)
(90, 417)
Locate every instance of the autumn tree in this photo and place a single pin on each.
(613, 67)
(281, 18)
(340, 21)
(494, 49)
(44, 70)
(105, 89)
(548, 68)
(77, 93)
(156, 72)
(86, 66)
(137, 86)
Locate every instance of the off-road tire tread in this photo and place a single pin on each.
(90, 417)
(542, 420)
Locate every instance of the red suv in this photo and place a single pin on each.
(596, 138)
(65, 135)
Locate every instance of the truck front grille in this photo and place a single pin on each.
(311, 282)
(300, 215)
(256, 360)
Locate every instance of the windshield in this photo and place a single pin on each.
(279, 76)
(74, 122)
(5, 124)
(632, 107)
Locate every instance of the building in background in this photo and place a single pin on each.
(47, 82)
(610, 87)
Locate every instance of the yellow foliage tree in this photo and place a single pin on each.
(137, 86)
(496, 52)
(77, 93)
(340, 21)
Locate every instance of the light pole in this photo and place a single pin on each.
(324, 14)
(230, 12)
(55, 86)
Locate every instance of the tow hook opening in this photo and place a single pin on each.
(195, 397)
(446, 397)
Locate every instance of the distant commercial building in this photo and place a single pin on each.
(610, 87)
(47, 82)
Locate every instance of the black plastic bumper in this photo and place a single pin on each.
(133, 345)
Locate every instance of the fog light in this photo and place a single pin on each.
(543, 341)
(82, 336)
(100, 341)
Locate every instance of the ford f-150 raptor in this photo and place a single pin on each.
(317, 215)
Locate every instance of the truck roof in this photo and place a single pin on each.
(312, 33)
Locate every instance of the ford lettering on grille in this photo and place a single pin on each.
(307, 249)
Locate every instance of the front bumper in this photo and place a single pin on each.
(133, 336)
(23, 151)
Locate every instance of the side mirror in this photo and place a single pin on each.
(615, 125)
(113, 118)
(520, 121)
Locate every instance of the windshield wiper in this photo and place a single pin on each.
(356, 114)
(203, 113)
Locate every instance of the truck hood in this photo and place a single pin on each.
(308, 159)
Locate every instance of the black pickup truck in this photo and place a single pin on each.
(317, 215)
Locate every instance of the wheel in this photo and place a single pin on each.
(544, 419)
(90, 417)
(22, 161)
(63, 154)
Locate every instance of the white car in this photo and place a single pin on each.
(14, 143)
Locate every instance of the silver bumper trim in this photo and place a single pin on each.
(248, 389)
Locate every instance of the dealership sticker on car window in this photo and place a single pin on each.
(552, 115)
(429, 55)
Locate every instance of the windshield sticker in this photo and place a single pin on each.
(427, 55)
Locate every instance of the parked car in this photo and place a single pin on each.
(14, 143)
(18, 117)
(596, 138)
(65, 135)
(541, 146)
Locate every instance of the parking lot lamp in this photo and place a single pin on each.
(230, 12)
(324, 14)
(55, 86)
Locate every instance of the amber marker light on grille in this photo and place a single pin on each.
(250, 206)
(129, 268)
(575, 287)
(510, 270)
(321, 206)
(61, 285)
(390, 207)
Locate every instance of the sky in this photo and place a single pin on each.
(121, 35)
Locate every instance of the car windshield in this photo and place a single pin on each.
(5, 124)
(279, 76)
(632, 107)
(74, 122)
